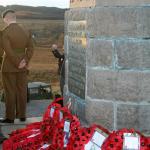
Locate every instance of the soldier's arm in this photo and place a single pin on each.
(1, 49)
(56, 53)
(29, 49)
(1, 54)
(8, 50)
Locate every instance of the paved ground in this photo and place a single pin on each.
(35, 108)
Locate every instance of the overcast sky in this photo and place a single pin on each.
(48, 3)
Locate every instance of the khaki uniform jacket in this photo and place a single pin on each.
(17, 44)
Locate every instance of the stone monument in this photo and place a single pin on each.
(107, 46)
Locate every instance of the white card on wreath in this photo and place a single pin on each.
(98, 138)
(67, 126)
(52, 112)
(96, 141)
(91, 146)
(60, 115)
(45, 146)
(131, 141)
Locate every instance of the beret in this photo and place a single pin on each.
(6, 12)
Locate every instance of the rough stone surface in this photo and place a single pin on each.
(100, 112)
(82, 3)
(101, 84)
(118, 22)
(75, 15)
(126, 86)
(133, 54)
(100, 53)
(122, 2)
(144, 118)
(108, 53)
(126, 117)
(77, 105)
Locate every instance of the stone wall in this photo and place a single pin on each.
(111, 70)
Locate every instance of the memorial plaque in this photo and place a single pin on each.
(77, 57)
(82, 3)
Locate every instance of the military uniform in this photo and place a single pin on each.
(17, 45)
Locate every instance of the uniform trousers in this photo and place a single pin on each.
(15, 94)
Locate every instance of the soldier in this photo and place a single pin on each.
(18, 50)
(61, 65)
(2, 137)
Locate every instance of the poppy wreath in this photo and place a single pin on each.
(147, 143)
(48, 134)
(59, 134)
(83, 136)
(46, 146)
(32, 126)
(144, 143)
(32, 142)
(55, 104)
(49, 122)
(48, 126)
(115, 140)
(9, 143)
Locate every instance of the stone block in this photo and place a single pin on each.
(133, 54)
(100, 53)
(146, 19)
(144, 82)
(100, 112)
(126, 86)
(75, 15)
(77, 105)
(122, 2)
(93, 3)
(82, 3)
(118, 22)
(127, 116)
(101, 84)
(133, 116)
(144, 117)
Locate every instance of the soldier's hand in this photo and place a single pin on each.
(22, 64)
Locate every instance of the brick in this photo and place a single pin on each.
(133, 54)
(126, 86)
(118, 22)
(133, 116)
(100, 53)
(100, 112)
